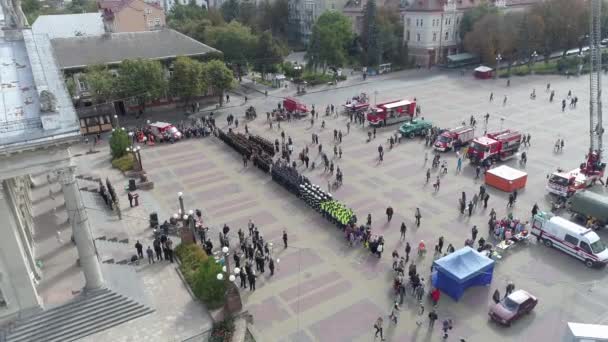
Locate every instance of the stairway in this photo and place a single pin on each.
(85, 315)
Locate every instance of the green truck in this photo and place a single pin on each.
(585, 204)
(414, 127)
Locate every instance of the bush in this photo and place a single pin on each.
(222, 331)
(124, 163)
(200, 273)
(119, 141)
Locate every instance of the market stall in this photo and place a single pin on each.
(456, 272)
(483, 72)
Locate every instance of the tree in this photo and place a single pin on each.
(247, 13)
(141, 79)
(530, 36)
(230, 10)
(268, 54)
(390, 29)
(331, 36)
(473, 16)
(101, 82)
(234, 40)
(371, 36)
(187, 80)
(119, 141)
(492, 35)
(561, 34)
(219, 77)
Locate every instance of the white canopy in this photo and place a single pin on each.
(483, 68)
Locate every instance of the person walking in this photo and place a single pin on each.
(243, 276)
(447, 325)
(408, 249)
(470, 208)
(496, 296)
(157, 249)
(394, 313)
(150, 254)
(485, 200)
(251, 277)
(403, 230)
(378, 327)
(418, 216)
(477, 172)
(428, 175)
(440, 245)
(419, 293)
(509, 289)
(511, 200)
(419, 314)
(369, 219)
(284, 238)
(432, 318)
(534, 209)
(389, 213)
(140, 249)
(271, 266)
(474, 233)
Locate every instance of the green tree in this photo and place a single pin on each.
(268, 54)
(562, 34)
(234, 40)
(141, 79)
(472, 16)
(248, 13)
(101, 83)
(230, 10)
(187, 80)
(219, 77)
(119, 141)
(331, 36)
(390, 29)
(371, 36)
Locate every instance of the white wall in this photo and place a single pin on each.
(425, 29)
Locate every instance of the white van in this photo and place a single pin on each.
(580, 242)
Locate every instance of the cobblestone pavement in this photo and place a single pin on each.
(326, 291)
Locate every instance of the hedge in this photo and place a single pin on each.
(200, 272)
(124, 163)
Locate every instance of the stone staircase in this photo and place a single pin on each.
(92, 184)
(87, 314)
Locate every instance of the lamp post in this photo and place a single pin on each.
(498, 59)
(180, 197)
(533, 61)
(116, 122)
(233, 299)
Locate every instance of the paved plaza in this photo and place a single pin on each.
(324, 290)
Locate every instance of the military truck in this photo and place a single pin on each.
(414, 127)
(585, 205)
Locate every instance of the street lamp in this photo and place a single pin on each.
(116, 123)
(180, 196)
(533, 61)
(498, 59)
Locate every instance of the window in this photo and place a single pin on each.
(83, 123)
(571, 239)
(447, 35)
(457, 20)
(157, 21)
(408, 21)
(585, 247)
(446, 21)
(421, 22)
(82, 84)
(434, 36)
(407, 35)
(147, 11)
(150, 23)
(417, 22)
(417, 36)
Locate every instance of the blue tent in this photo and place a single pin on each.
(460, 270)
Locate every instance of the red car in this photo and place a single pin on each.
(513, 307)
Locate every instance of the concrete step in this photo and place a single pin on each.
(75, 322)
(61, 311)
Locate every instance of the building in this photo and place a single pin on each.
(355, 10)
(303, 14)
(69, 25)
(431, 27)
(37, 127)
(131, 15)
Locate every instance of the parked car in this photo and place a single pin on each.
(414, 127)
(512, 307)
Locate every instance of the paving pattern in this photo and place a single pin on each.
(324, 290)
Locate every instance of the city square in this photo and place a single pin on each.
(324, 290)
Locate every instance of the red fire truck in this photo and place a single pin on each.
(392, 112)
(294, 106)
(494, 146)
(565, 184)
(455, 138)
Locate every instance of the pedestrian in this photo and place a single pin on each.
(491, 97)
(511, 200)
(403, 230)
(420, 292)
(347, 127)
(419, 314)
(408, 249)
(243, 276)
(477, 172)
(418, 216)
(440, 244)
(374, 133)
(447, 325)
(378, 327)
(475, 200)
(470, 208)
(474, 233)
(510, 288)
(435, 295)
(244, 160)
(51, 195)
(389, 213)
(485, 200)
(459, 165)
(157, 249)
(534, 209)
(380, 153)
(394, 313)
(140, 249)
(369, 219)
(271, 266)
(496, 296)
(284, 239)
(251, 277)
(432, 318)
(504, 101)
(428, 175)
(150, 254)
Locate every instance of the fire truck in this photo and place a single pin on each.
(392, 112)
(494, 146)
(565, 184)
(454, 138)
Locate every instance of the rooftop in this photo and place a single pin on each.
(69, 25)
(80, 52)
(29, 77)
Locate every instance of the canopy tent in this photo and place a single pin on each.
(460, 57)
(483, 72)
(460, 270)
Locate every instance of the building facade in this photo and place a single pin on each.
(432, 27)
(131, 15)
(355, 10)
